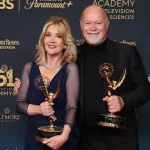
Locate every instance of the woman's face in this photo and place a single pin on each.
(53, 43)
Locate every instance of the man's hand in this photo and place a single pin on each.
(56, 142)
(115, 103)
(17, 84)
(46, 108)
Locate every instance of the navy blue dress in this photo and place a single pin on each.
(35, 96)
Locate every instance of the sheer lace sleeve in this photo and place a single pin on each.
(72, 92)
(22, 104)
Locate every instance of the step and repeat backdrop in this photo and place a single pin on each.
(21, 22)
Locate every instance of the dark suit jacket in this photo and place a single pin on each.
(134, 90)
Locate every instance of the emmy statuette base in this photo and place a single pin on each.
(112, 121)
(46, 132)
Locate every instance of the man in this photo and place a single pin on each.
(132, 93)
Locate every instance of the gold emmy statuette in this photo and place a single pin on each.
(111, 120)
(44, 132)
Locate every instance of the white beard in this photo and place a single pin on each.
(94, 39)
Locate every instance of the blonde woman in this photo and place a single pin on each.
(54, 59)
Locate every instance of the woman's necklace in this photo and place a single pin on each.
(52, 68)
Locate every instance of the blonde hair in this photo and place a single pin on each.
(64, 29)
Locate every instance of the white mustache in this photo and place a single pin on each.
(93, 32)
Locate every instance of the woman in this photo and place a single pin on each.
(54, 59)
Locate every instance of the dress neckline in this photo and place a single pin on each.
(54, 75)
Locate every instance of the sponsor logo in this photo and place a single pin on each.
(8, 148)
(149, 78)
(7, 4)
(8, 44)
(57, 4)
(7, 116)
(80, 41)
(127, 42)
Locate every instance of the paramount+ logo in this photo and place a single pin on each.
(6, 4)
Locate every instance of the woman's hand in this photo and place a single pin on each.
(56, 142)
(46, 108)
(17, 84)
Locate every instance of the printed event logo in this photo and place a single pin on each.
(62, 4)
(19, 5)
(8, 117)
(8, 148)
(8, 44)
(118, 9)
(127, 42)
(6, 81)
(7, 4)
(149, 78)
(80, 41)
